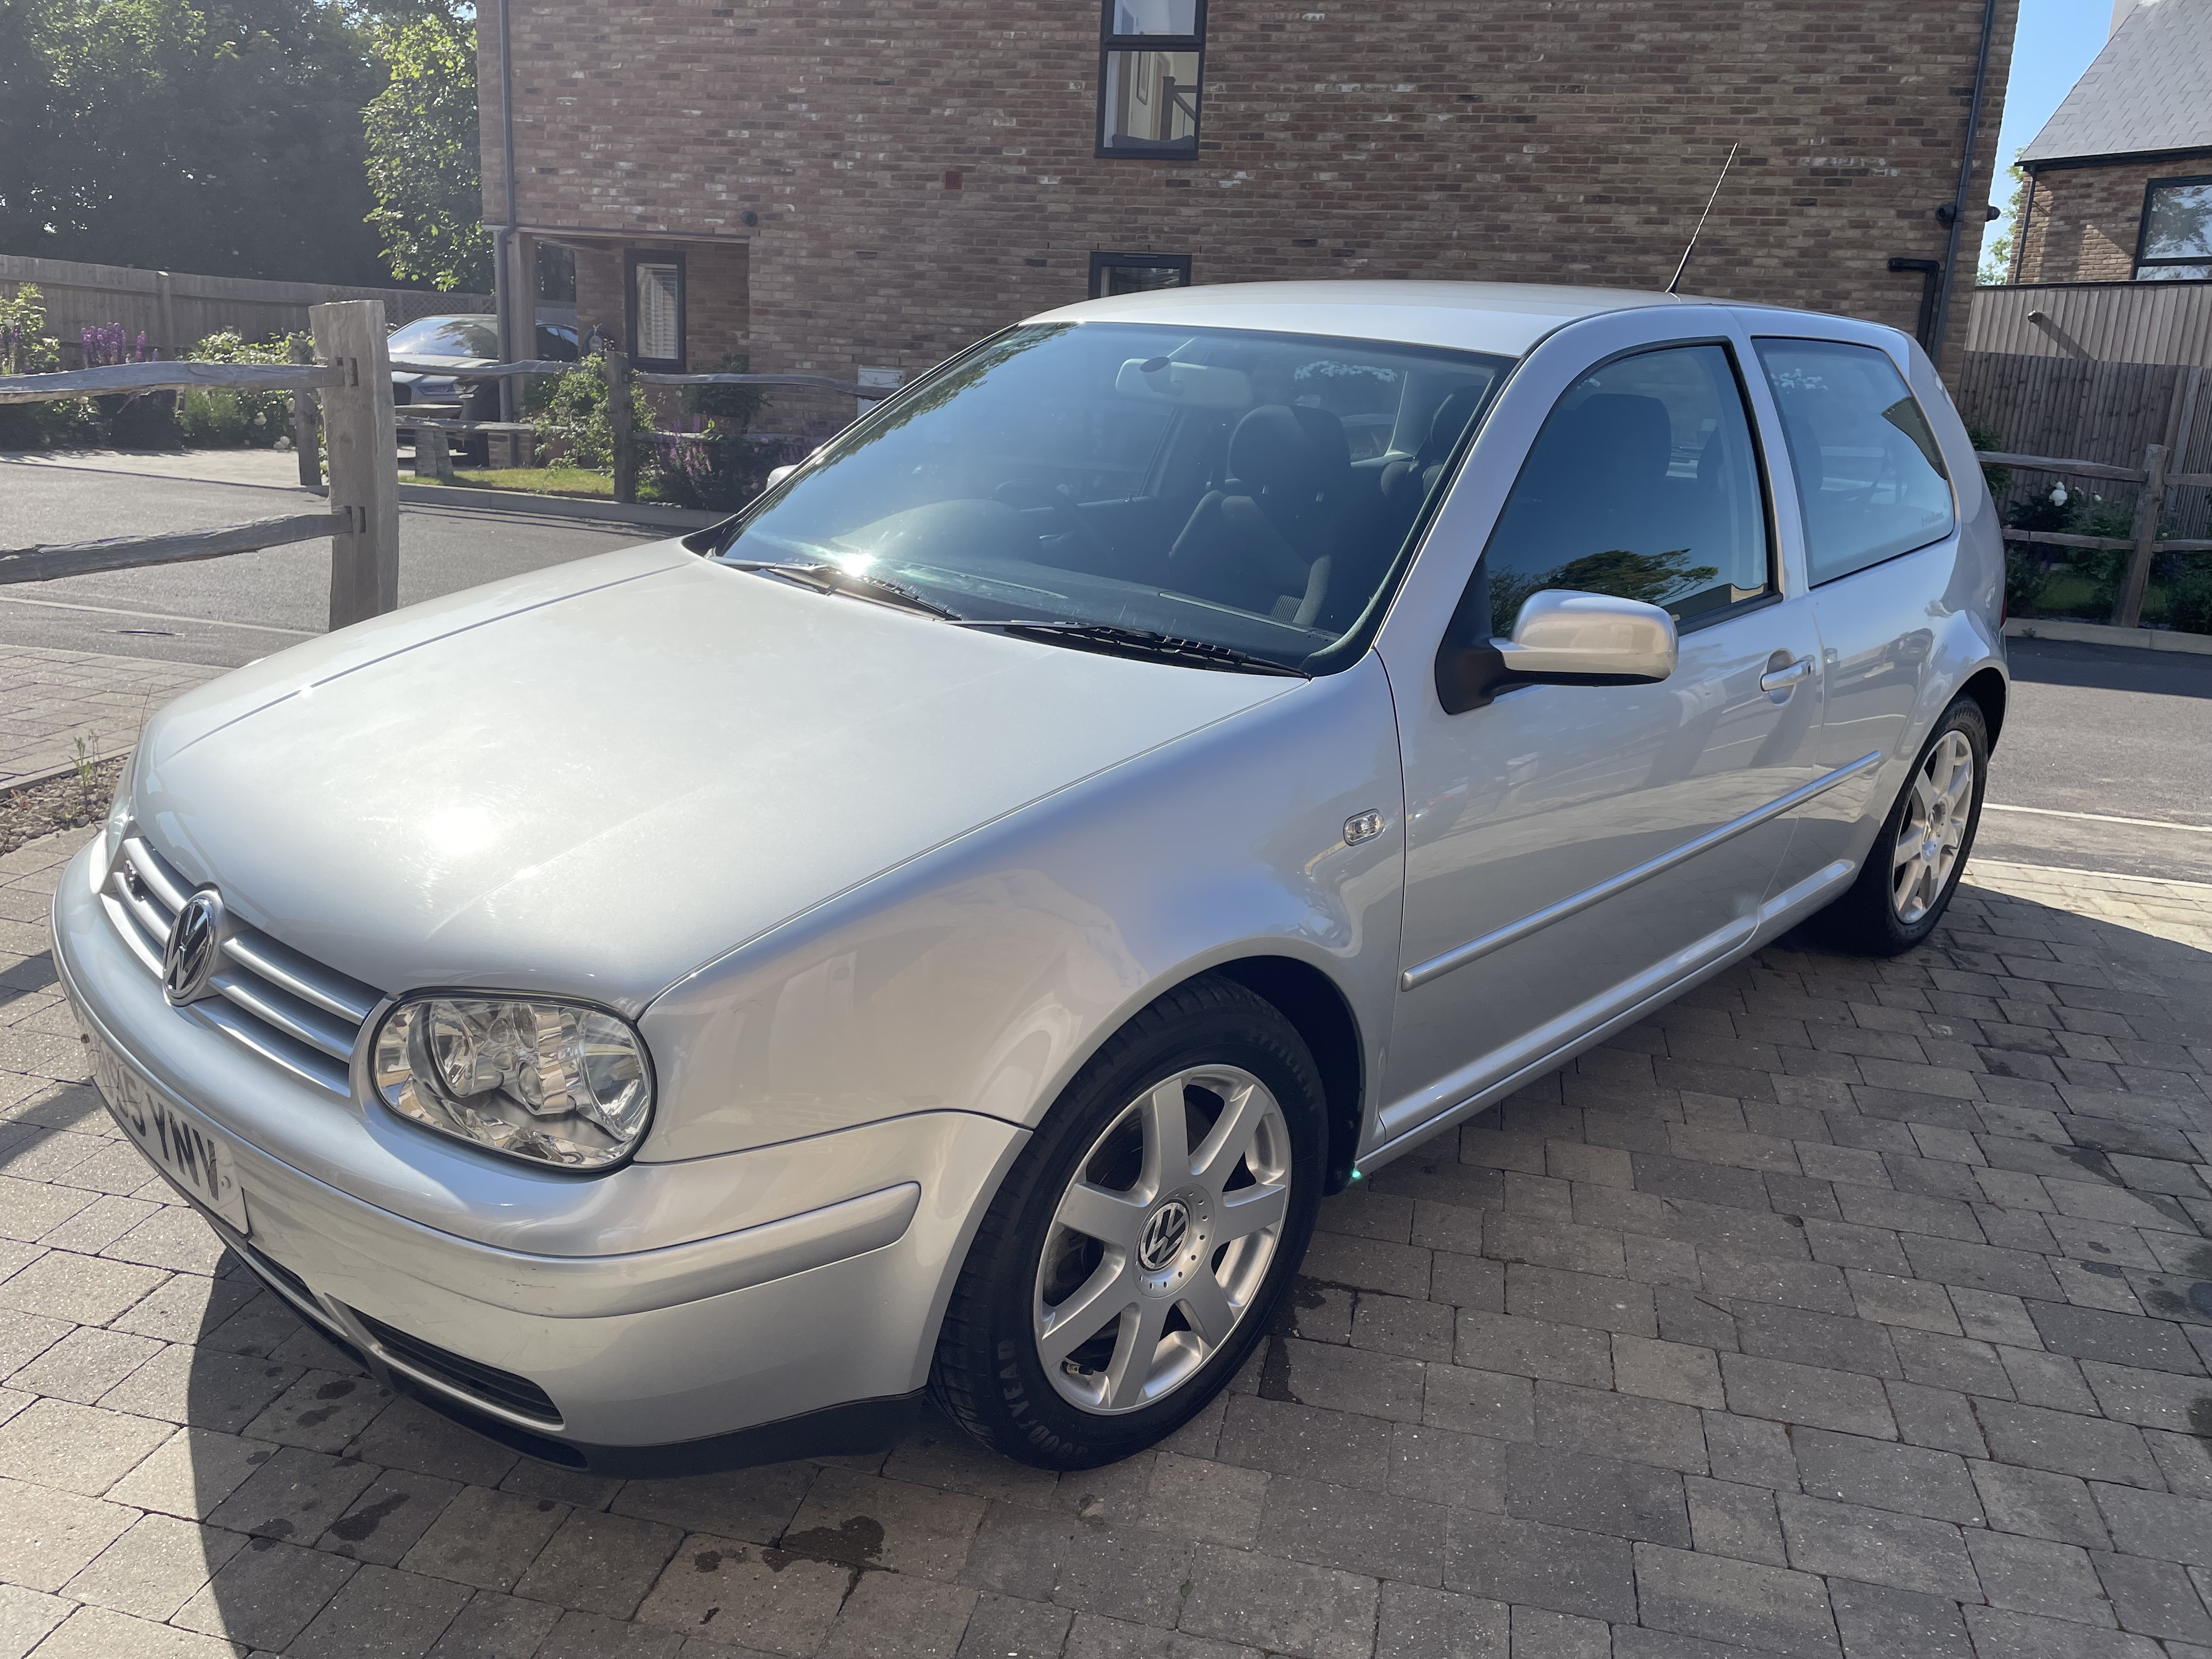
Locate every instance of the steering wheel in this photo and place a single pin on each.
(1021, 495)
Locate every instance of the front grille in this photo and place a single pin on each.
(478, 1381)
(287, 1008)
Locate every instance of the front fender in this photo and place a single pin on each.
(981, 977)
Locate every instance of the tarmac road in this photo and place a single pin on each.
(231, 610)
(2094, 734)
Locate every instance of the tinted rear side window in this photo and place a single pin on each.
(1868, 471)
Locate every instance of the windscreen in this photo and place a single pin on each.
(446, 336)
(1236, 488)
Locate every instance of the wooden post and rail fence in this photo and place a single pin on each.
(629, 443)
(352, 374)
(344, 393)
(2143, 544)
(351, 378)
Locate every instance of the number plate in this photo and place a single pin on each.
(198, 1160)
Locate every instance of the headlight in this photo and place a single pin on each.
(557, 1083)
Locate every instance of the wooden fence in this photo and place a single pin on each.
(2108, 322)
(2104, 414)
(173, 309)
(2143, 545)
(353, 374)
(628, 445)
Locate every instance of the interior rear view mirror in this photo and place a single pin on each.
(1194, 385)
(1562, 639)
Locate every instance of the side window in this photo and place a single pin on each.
(1643, 484)
(1869, 475)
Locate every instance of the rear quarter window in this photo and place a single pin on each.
(1870, 478)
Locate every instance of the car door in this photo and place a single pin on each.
(1574, 850)
(1865, 487)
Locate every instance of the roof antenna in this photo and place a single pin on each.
(1677, 280)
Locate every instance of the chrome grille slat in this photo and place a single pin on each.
(154, 870)
(147, 914)
(148, 952)
(309, 1025)
(284, 1007)
(289, 970)
(310, 1064)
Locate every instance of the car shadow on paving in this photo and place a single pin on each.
(1843, 1307)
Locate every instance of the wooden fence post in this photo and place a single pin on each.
(307, 433)
(358, 421)
(618, 418)
(433, 456)
(2150, 506)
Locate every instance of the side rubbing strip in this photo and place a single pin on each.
(1474, 949)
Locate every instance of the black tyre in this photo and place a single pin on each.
(1913, 867)
(1137, 1250)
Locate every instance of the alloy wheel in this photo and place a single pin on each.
(1162, 1239)
(1933, 828)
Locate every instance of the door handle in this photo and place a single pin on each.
(1786, 677)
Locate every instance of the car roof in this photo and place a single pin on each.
(1505, 318)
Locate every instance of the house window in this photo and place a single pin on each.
(1149, 55)
(2177, 231)
(656, 310)
(1132, 273)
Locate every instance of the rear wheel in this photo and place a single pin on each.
(1913, 868)
(1131, 1260)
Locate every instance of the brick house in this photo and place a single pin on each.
(2119, 180)
(858, 187)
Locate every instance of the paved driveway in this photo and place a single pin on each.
(1845, 1309)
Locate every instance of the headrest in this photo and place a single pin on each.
(1332, 447)
(1287, 452)
(1450, 421)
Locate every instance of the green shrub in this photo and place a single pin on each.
(241, 420)
(731, 407)
(27, 349)
(570, 413)
(2188, 596)
(1982, 436)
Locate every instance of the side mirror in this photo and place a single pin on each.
(1590, 639)
(1562, 639)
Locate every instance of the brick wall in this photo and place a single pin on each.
(2085, 222)
(1566, 141)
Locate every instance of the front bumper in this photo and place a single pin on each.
(804, 1327)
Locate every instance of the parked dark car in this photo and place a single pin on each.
(465, 341)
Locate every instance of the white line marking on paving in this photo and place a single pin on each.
(2100, 818)
(160, 616)
(1994, 866)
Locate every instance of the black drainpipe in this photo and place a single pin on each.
(1930, 270)
(1960, 204)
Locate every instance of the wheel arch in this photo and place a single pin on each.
(1987, 687)
(1316, 1006)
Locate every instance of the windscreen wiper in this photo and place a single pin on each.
(833, 578)
(1144, 643)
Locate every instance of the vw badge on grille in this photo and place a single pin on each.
(194, 950)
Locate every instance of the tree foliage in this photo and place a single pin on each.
(1997, 251)
(422, 151)
(214, 136)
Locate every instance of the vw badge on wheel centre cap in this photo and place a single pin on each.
(194, 950)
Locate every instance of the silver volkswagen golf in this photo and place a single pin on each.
(942, 931)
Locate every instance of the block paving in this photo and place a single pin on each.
(55, 700)
(1844, 1310)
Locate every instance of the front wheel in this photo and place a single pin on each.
(1135, 1251)
(1914, 865)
